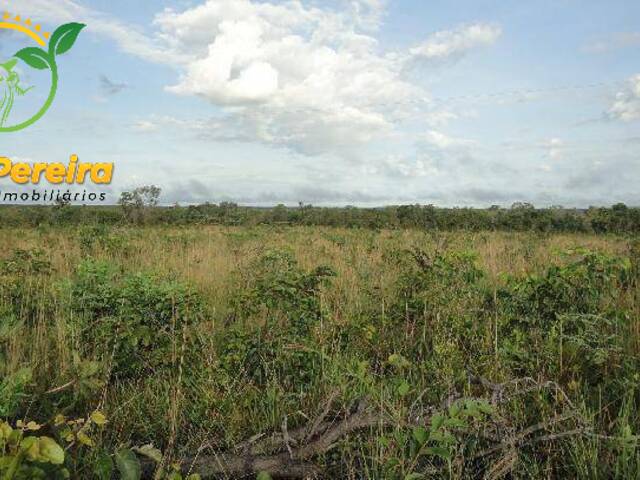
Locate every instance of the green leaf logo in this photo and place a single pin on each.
(34, 57)
(64, 37)
(61, 42)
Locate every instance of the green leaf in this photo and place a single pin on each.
(437, 421)
(64, 37)
(128, 465)
(51, 451)
(85, 439)
(420, 435)
(485, 408)
(98, 418)
(403, 388)
(414, 476)
(35, 58)
(455, 423)
(439, 452)
(263, 476)
(103, 467)
(149, 451)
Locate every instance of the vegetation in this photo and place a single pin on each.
(149, 347)
(140, 207)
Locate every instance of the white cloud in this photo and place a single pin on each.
(614, 42)
(555, 148)
(311, 79)
(626, 106)
(399, 166)
(307, 78)
(130, 38)
(456, 42)
(443, 141)
(293, 74)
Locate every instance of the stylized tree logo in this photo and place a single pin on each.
(40, 59)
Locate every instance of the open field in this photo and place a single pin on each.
(395, 354)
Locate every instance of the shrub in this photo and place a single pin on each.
(572, 303)
(137, 318)
(580, 286)
(281, 289)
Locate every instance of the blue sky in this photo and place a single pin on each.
(364, 102)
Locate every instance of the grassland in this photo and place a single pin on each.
(340, 353)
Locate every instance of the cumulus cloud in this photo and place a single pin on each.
(310, 79)
(626, 106)
(300, 75)
(456, 42)
(307, 78)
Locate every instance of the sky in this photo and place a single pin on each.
(345, 102)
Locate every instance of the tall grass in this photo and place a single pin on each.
(198, 338)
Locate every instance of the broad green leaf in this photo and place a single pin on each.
(98, 418)
(398, 361)
(149, 451)
(103, 467)
(51, 451)
(486, 408)
(128, 465)
(84, 439)
(263, 476)
(420, 435)
(33, 426)
(455, 423)
(442, 437)
(35, 58)
(436, 421)
(403, 388)
(64, 37)
(439, 452)
(30, 446)
(5, 430)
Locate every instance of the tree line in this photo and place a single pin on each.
(141, 207)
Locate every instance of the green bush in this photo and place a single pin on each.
(137, 318)
(280, 289)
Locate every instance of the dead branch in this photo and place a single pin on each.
(293, 462)
(290, 453)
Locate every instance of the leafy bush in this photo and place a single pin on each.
(23, 296)
(280, 289)
(12, 391)
(29, 457)
(573, 304)
(137, 318)
(26, 262)
(580, 286)
(282, 346)
(101, 238)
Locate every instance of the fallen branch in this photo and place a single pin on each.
(293, 462)
(290, 453)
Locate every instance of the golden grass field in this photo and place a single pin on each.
(404, 337)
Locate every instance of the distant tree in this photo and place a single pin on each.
(136, 204)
